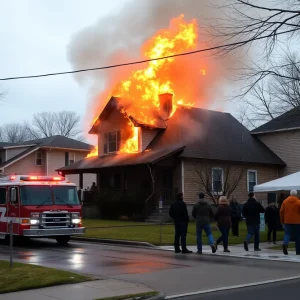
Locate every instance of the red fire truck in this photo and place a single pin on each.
(39, 206)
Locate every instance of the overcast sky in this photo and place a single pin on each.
(34, 39)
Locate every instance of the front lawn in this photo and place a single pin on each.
(279, 247)
(151, 233)
(24, 277)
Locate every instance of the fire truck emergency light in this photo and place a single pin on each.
(41, 178)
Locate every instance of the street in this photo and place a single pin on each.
(276, 291)
(162, 270)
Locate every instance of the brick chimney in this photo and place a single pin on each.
(166, 105)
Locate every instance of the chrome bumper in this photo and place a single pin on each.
(53, 232)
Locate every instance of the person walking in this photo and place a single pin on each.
(223, 218)
(179, 213)
(235, 216)
(251, 211)
(271, 219)
(290, 218)
(203, 214)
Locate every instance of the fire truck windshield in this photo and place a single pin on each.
(43, 195)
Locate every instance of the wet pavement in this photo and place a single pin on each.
(163, 270)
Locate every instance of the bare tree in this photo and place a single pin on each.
(224, 182)
(66, 123)
(15, 133)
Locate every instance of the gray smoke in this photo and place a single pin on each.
(118, 37)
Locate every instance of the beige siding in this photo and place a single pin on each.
(56, 160)
(27, 165)
(192, 186)
(287, 146)
(10, 153)
(147, 136)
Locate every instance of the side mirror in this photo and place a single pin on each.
(13, 195)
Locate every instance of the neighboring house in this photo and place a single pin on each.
(43, 157)
(282, 136)
(172, 151)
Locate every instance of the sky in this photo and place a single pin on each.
(35, 38)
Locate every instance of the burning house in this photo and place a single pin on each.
(154, 142)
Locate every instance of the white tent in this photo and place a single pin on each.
(287, 183)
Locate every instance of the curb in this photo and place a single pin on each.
(113, 242)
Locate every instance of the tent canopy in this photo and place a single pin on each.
(287, 183)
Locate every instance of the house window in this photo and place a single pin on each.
(2, 156)
(251, 179)
(112, 141)
(69, 158)
(2, 196)
(38, 158)
(217, 180)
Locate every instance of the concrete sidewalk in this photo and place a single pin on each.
(238, 251)
(90, 290)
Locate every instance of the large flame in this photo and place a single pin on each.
(139, 94)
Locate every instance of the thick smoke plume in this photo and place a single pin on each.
(119, 37)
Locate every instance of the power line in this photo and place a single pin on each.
(150, 59)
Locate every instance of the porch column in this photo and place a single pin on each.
(98, 181)
(81, 180)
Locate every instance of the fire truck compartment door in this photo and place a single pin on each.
(13, 209)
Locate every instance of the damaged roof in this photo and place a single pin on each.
(198, 133)
(287, 121)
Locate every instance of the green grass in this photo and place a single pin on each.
(141, 295)
(151, 234)
(24, 277)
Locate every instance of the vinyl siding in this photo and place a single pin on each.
(147, 136)
(10, 153)
(286, 145)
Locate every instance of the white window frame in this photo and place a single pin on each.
(106, 141)
(248, 177)
(71, 155)
(36, 158)
(212, 180)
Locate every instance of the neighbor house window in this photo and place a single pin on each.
(69, 158)
(38, 158)
(217, 180)
(112, 141)
(2, 156)
(252, 179)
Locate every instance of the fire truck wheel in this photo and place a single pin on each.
(63, 240)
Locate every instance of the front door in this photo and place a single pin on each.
(13, 209)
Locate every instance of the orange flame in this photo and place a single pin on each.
(139, 94)
(93, 153)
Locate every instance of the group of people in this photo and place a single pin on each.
(229, 214)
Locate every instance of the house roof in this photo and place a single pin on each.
(287, 121)
(112, 104)
(213, 135)
(4, 144)
(59, 141)
(198, 133)
(123, 159)
(56, 141)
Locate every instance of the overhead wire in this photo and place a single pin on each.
(150, 59)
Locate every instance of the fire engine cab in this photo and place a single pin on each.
(39, 206)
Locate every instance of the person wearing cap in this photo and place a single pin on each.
(179, 213)
(203, 213)
(290, 218)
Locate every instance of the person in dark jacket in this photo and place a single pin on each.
(235, 216)
(223, 218)
(179, 213)
(204, 215)
(271, 219)
(251, 211)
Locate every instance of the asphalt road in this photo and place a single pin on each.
(163, 270)
(278, 291)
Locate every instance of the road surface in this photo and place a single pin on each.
(163, 270)
(278, 291)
